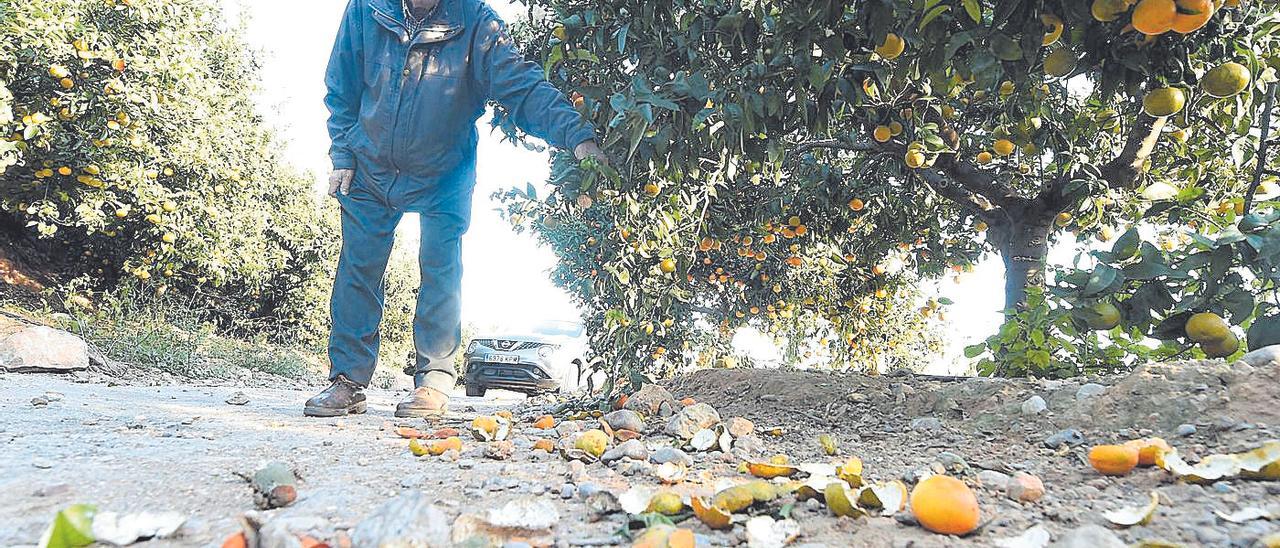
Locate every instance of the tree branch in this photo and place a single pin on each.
(836, 144)
(966, 199)
(1123, 171)
(1264, 126)
(981, 182)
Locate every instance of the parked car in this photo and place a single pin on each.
(546, 357)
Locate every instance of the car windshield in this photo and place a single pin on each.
(557, 328)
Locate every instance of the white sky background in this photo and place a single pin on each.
(506, 275)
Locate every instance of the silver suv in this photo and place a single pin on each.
(545, 357)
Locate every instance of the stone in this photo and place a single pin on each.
(624, 419)
(631, 449)
(748, 447)
(952, 463)
(239, 398)
(670, 454)
(652, 401)
(1088, 536)
(567, 491)
(1069, 437)
(39, 401)
(926, 424)
(1089, 390)
(409, 519)
(1034, 405)
(1024, 487)
(499, 450)
(282, 531)
(993, 479)
(1185, 430)
(39, 349)
(568, 428)
(690, 420)
(739, 427)
(1262, 356)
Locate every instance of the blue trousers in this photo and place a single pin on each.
(370, 214)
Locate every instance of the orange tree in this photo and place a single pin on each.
(777, 163)
(131, 150)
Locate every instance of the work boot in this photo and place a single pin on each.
(343, 397)
(424, 401)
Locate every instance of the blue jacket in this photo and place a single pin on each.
(403, 108)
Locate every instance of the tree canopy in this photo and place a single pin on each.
(793, 165)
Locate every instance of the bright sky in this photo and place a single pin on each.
(506, 275)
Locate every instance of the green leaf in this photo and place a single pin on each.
(1103, 278)
(932, 14)
(974, 9)
(1265, 331)
(622, 37)
(72, 527)
(974, 350)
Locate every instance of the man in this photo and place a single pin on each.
(407, 81)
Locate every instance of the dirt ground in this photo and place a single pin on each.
(130, 448)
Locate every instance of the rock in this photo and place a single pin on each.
(748, 447)
(39, 349)
(1089, 390)
(1024, 487)
(121, 530)
(953, 463)
(926, 424)
(239, 398)
(690, 420)
(567, 491)
(1262, 356)
(631, 449)
(39, 401)
(670, 454)
(993, 479)
(1088, 536)
(738, 427)
(520, 519)
(406, 520)
(499, 450)
(1070, 437)
(585, 490)
(624, 419)
(1034, 405)
(1185, 430)
(275, 531)
(652, 401)
(567, 429)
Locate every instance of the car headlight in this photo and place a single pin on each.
(546, 350)
(471, 348)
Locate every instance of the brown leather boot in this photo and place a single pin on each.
(343, 397)
(424, 401)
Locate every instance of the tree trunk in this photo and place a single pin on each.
(1023, 243)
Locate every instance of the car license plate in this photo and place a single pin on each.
(504, 358)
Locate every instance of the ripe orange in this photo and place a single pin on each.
(914, 159)
(1149, 449)
(1192, 14)
(946, 505)
(652, 189)
(1004, 147)
(882, 134)
(668, 265)
(984, 158)
(892, 46)
(1153, 17)
(856, 204)
(1113, 460)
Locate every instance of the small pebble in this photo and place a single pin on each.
(1221, 487)
(1034, 405)
(1070, 436)
(585, 490)
(926, 424)
(1089, 390)
(567, 491)
(1185, 430)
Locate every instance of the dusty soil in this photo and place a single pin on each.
(130, 448)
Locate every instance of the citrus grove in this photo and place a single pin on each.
(794, 167)
(131, 152)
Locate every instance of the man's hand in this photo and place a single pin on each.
(340, 181)
(592, 150)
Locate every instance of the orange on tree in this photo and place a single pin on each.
(1060, 62)
(1162, 102)
(1153, 17)
(895, 128)
(1054, 25)
(1108, 10)
(882, 134)
(945, 505)
(892, 47)
(856, 204)
(1004, 147)
(1191, 15)
(984, 158)
(914, 158)
(1113, 460)
(1225, 80)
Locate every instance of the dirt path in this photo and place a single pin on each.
(133, 448)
